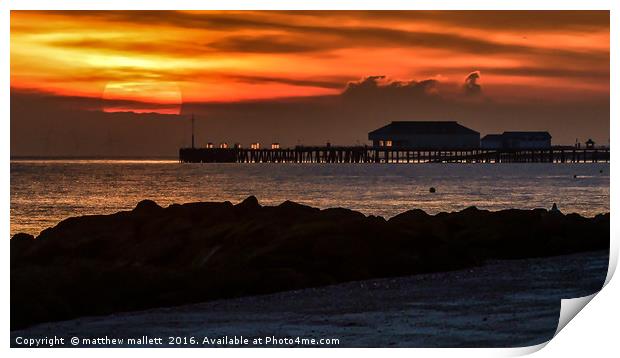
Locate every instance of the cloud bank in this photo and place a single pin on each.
(48, 125)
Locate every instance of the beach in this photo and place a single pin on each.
(505, 303)
(154, 256)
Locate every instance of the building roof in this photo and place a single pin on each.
(492, 137)
(527, 135)
(421, 127)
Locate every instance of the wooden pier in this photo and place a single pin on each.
(366, 154)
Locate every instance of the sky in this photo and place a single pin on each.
(299, 76)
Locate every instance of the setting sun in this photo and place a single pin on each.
(142, 97)
(227, 56)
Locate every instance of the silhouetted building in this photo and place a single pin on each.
(425, 135)
(516, 140)
(590, 143)
(491, 141)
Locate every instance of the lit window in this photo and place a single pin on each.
(388, 143)
(380, 143)
(255, 145)
(224, 145)
(275, 145)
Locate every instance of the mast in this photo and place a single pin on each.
(193, 131)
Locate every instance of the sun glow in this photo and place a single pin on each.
(142, 97)
(236, 56)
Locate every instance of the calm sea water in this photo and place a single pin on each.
(43, 192)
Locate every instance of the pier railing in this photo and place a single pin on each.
(366, 154)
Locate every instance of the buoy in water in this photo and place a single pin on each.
(432, 189)
(575, 176)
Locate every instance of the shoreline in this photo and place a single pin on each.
(157, 257)
(464, 308)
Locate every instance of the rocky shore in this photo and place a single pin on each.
(155, 257)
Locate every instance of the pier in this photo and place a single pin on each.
(371, 154)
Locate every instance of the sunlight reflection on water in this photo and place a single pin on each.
(45, 192)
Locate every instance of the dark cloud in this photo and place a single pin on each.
(44, 124)
(471, 86)
(555, 20)
(242, 43)
(135, 74)
(516, 20)
(321, 38)
(124, 73)
(299, 36)
(379, 86)
(265, 44)
(85, 103)
(330, 83)
(134, 45)
(599, 73)
(591, 73)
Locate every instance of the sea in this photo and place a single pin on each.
(44, 192)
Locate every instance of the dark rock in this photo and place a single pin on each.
(18, 238)
(154, 257)
(20, 244)
(292, 206)
(250, 203)
(147, 207)
(415, 215)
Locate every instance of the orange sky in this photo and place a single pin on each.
(168, 57)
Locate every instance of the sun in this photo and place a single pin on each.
(142, 97)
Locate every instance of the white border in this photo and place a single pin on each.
(593, 331)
